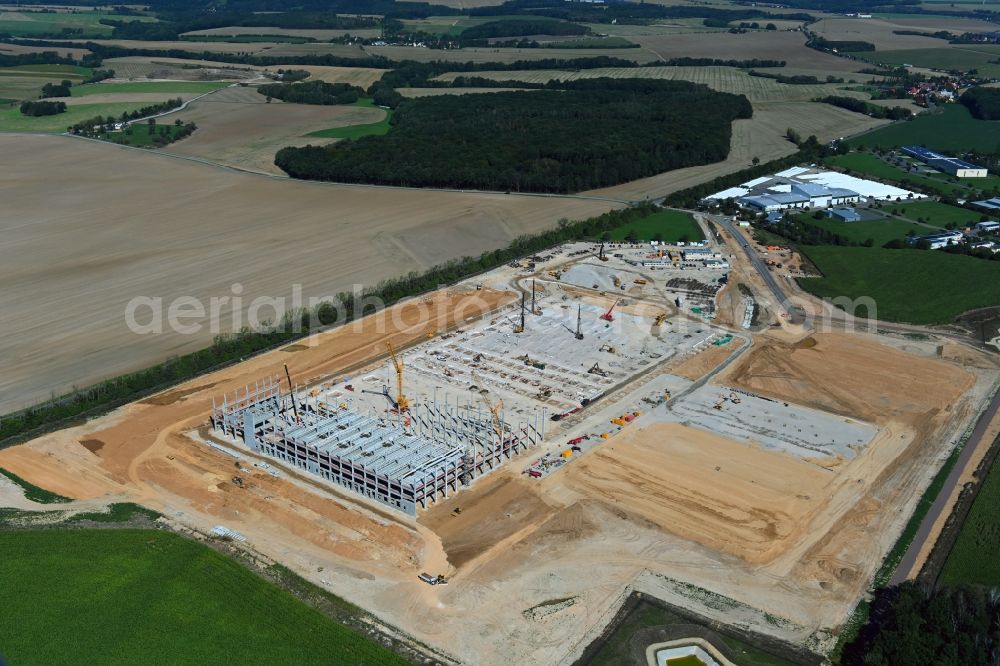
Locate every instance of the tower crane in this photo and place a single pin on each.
(402, 403)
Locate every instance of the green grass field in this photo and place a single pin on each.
(11, 119)
(880, 231)
(31, 24)
(953, 129)
(357, 131)
(147, 596)
(140, 135)
(976, 556)
(196, 87)
(670, 225)
(913, 286)
(935, 213)
(873, 166)
(947, 57)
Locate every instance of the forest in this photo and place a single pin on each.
(42, 108)
(909, 624)
(983, 103)
(312, 92)
(519, 27)
(591, 133)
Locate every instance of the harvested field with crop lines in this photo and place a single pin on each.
(504, 54)
(237, 127)
(723, 79)
(145, 68)
(787, 46)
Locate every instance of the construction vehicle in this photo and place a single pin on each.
(607, 316)
(617, 280)
(402, 403)
(718, 404)
(544, 394)
(733, 398)
(639, 281)
(660, 318)
(608, 348)
(597, 370)
(237, 481)
(535, 310)
(433, 580)
(520, 327)
(601, 255)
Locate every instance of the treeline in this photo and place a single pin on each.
(313, 92)
(796, 79)
(715, 62)
(42, 58)
(861, 106)
(627, 12)
(36, 109)
(982, 102)
(520, 27)
(910, 624)
(57, 89)
(227, 349)
(589, 133)
(822, 44)
(98, 124)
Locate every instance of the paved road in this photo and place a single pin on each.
(794, 314)
(941, 502)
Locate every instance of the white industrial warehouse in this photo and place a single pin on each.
(802, 187)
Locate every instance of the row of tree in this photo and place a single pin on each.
(99, 124)
(42, 108)
(861, 106)
(796, 79)
(589, 133)
(57, 89)
(312, 92)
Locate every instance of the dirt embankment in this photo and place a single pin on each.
(142, 452)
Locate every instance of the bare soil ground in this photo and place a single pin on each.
(720, 493)
(238, 127)
(181, 228)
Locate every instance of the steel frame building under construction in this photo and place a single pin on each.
(404, 461)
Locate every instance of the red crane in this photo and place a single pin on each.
(607, 315)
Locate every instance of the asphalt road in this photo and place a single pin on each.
(941, 502)
(794, 315)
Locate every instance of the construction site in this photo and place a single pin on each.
(548, 438)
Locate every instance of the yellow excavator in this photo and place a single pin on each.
(402, 403)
